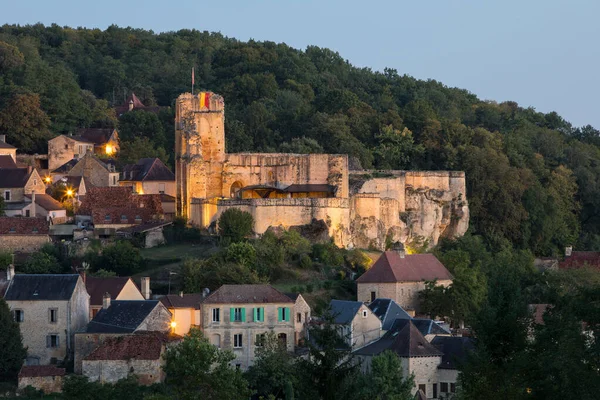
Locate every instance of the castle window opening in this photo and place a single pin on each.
(235, 189)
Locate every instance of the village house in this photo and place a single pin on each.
(7, 150)
(64, 148)
(302, 316)
(149, 176)
(238, 318)
(185, 309)
(148, 235)
(105, 140)
(388, 311)
(47, 378)
(140, 354)
(15, 183)
(120, 318)
(101, 173)
(580, 259)
(455, 349)
(49, 309)
(401, 277)
(23, 234)
(45, 206)
(355, 322)
(417, 356)
(119, 288)
(133, 103)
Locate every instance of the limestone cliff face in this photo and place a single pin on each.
(419, 216)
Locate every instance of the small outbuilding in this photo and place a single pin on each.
(47, 378)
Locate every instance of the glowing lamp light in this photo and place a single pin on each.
(173, 324)
(47, 179)
(109, 149)
(69, 192)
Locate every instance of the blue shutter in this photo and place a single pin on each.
(243, 314)
(262, 314)
(287, 314)
(279, 314)
(231, 314)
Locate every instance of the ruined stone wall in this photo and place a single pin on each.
(85, 343)
(23, 243)
(111, 371)
(63, 149)
(47, 384)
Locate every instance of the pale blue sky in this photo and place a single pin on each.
(540, 53)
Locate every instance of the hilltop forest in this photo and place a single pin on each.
(533, 179)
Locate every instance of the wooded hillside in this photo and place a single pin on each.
(533, 178)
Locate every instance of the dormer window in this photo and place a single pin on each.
(138, 218)
(35, 230)
(12, 230)
(123, 217)
(107, 217)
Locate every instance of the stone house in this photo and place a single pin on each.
(185, 309)
(15, 183)
(23, 234)
(44, 205)
(149, 176)
(65, 148)
(49, 309)
(455, 350)
(401, 277)
(417, 356)
(120, 318)
(47, 378)
(302, 316)
(105, 140)
(140, 354)
(119, 288)
(100, 173)
(133, 103)
(7, 150)
(237, 317)
(356, 322)
(149, 235)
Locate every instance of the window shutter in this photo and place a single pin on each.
(287, 314)
(262, 314)
(231, 314)
(255, 314)
(57, 341)
(243, 314)
(48, 341)
(279, 314)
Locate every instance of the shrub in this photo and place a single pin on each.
(305, 261)
(327, 285)
(328, 254)
(295, 246)
(235, 225)
(121, 257)
(241, 253)
(309, 288)
(357, 260)
(42, 263)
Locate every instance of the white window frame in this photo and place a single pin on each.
(55, 312)
(238, 340)
(20, 313)
(216, 312)
(49, 341)
(7, 198)
(364, 314)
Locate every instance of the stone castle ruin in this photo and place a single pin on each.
(364, 209)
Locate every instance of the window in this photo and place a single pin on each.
(452, 387)
(53, 315)
(260, 340)
(114, 180)
(237, 314)
(123, 217)
(7, 195)
(282, 337)
(299, 317)
(259, 314)
(138, 218)
(27, 213)
(66, 147)
(237, 341)
(216, 315)
(161, 188)
(52, 341)
(373, 296)
(444, 387)
(423, 388)
(12, 230)
(94, 312)
(35, 182)
(18, 315)
(80, 149)
(364, 313)
(107, 217)
(283, 314)
(435, 390)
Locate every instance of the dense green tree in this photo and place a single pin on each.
(24, 123)
(385, 380)
(12, 352)
(42, 263)
(142, 124)
(235, 225)
(196, 369)
(140, 147)
(2, 207)
(10, 57)
(121, 258)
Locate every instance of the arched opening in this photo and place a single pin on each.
(235, 189)
(215, 340)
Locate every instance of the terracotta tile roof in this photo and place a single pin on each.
(13, 177)
(118, 197)
(23, 226)
(121, 216)
(391, 267)
(406, 342)
(47, 202)
(4, 145)
(244, 294)
(96, 287)
(32, 371)
(579, 259)
(130, 347)
(147, 169)
(97, 136)
(137, 105)
(7, 161)
(190, 300)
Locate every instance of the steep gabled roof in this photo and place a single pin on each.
(41, 287)
(425, 326)
(245, 294)
(579, 259)
(24, 226)
(4, 145)
(189, 300)
(343, 311)
(47, 202)
(148, 169)
(66, 167)
(387, 311)
(14, 177)
(123, 316)
(406, 342)
(97, 287)
(391, 267)
(7, 161)
(455, 349)
(98, 136)
(137, 105)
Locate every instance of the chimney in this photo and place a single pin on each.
(398, 248)
(106, 301)
(181, 294)
(83, 276)
(10, 272)
(568, 251)
(130, 105)
(2, 138)
(33, 209)
(29, 169)
(145, 286)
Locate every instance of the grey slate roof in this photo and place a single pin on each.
(342, 311)
(147, 169)
(41, 287)
(13, 177)
(425, 326)
(123, 316)
(387, 311)
(455, 349)
(405, 342)
(245, 294)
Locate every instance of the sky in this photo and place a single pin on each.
(539, 53)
